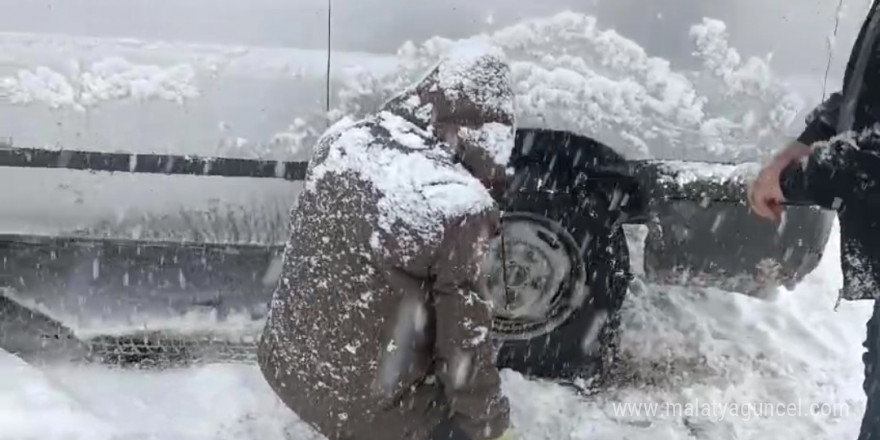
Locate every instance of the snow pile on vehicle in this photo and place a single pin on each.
(105, 80)
(115, 79)
(224, 60)
(683, 173)
(40, 85)
(569, 74)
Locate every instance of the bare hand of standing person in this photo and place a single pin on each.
(765, 193)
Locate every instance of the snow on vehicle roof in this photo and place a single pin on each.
(685, 173)
(109, 79)
(570, 74)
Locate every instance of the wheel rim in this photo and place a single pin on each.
(535, 277)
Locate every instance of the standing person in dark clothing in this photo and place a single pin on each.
(377, 330)
(835, 163)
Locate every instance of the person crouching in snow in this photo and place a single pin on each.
(376, 329)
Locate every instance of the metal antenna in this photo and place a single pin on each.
(831, 49)
(329, 56)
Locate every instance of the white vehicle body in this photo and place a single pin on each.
(198, 77)
(243, 79)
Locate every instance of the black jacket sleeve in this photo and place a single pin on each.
(835, 173)
(822, 121)
(823, 178)
(838, 170)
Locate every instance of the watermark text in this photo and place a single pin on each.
(718, 411)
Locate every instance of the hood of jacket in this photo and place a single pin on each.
(467, 101)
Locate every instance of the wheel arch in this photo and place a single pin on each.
(557, 162)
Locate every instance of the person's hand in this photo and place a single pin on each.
(765, 192)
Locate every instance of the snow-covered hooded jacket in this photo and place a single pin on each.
(843, 171)
(376, 329)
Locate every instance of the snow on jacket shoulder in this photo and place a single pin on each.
(421, 186)
(376, 329)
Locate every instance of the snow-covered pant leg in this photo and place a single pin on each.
(871, 420)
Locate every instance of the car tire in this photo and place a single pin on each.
(584, 344)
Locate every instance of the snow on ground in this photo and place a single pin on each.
(211, 402)
(33, 406)
(714, 365)
(717, 365)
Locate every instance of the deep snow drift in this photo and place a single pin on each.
(717, 365)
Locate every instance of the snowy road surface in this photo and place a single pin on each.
(700, 365)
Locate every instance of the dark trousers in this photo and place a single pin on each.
(448, 430)
(871, 420)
